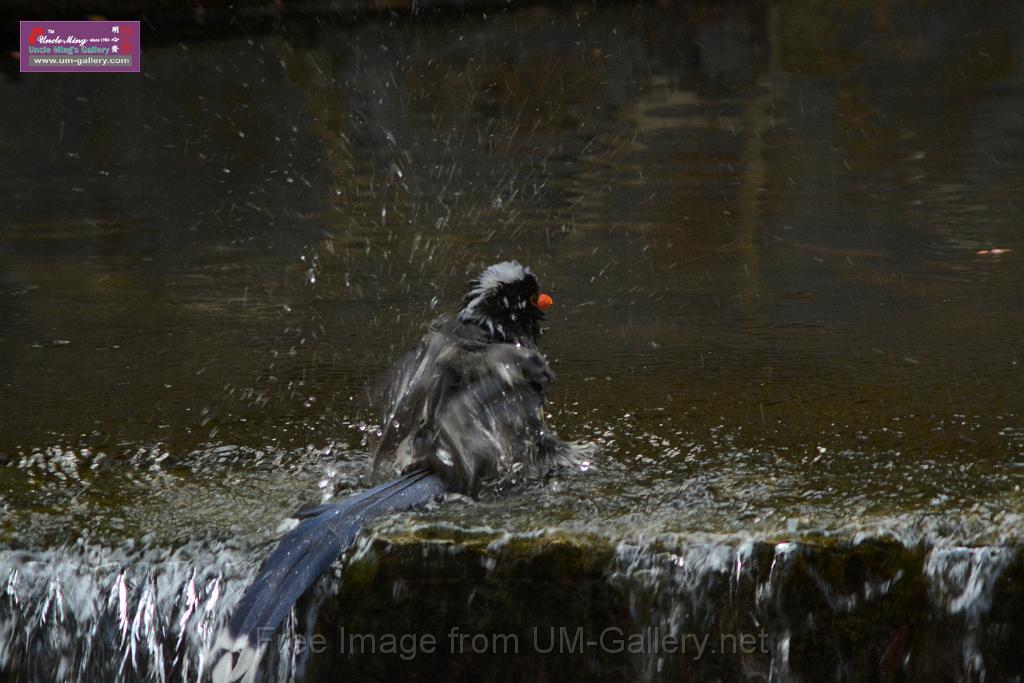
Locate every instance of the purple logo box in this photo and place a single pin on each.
(80, 46)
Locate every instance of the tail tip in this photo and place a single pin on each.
(239, 659)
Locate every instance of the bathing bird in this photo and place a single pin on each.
(463, 407)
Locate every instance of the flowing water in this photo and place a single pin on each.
(784, 242)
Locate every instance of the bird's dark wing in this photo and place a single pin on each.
(465, 409)
(417, 385)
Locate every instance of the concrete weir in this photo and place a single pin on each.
(427, 601)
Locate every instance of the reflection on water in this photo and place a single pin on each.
(774, 233)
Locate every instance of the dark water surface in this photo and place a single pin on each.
(775, 237)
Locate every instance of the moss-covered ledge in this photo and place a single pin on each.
(447, 603)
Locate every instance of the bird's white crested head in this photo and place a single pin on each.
(505, 299)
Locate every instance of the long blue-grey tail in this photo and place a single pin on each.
(324, 532)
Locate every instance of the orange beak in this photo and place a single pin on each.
(543, 301)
